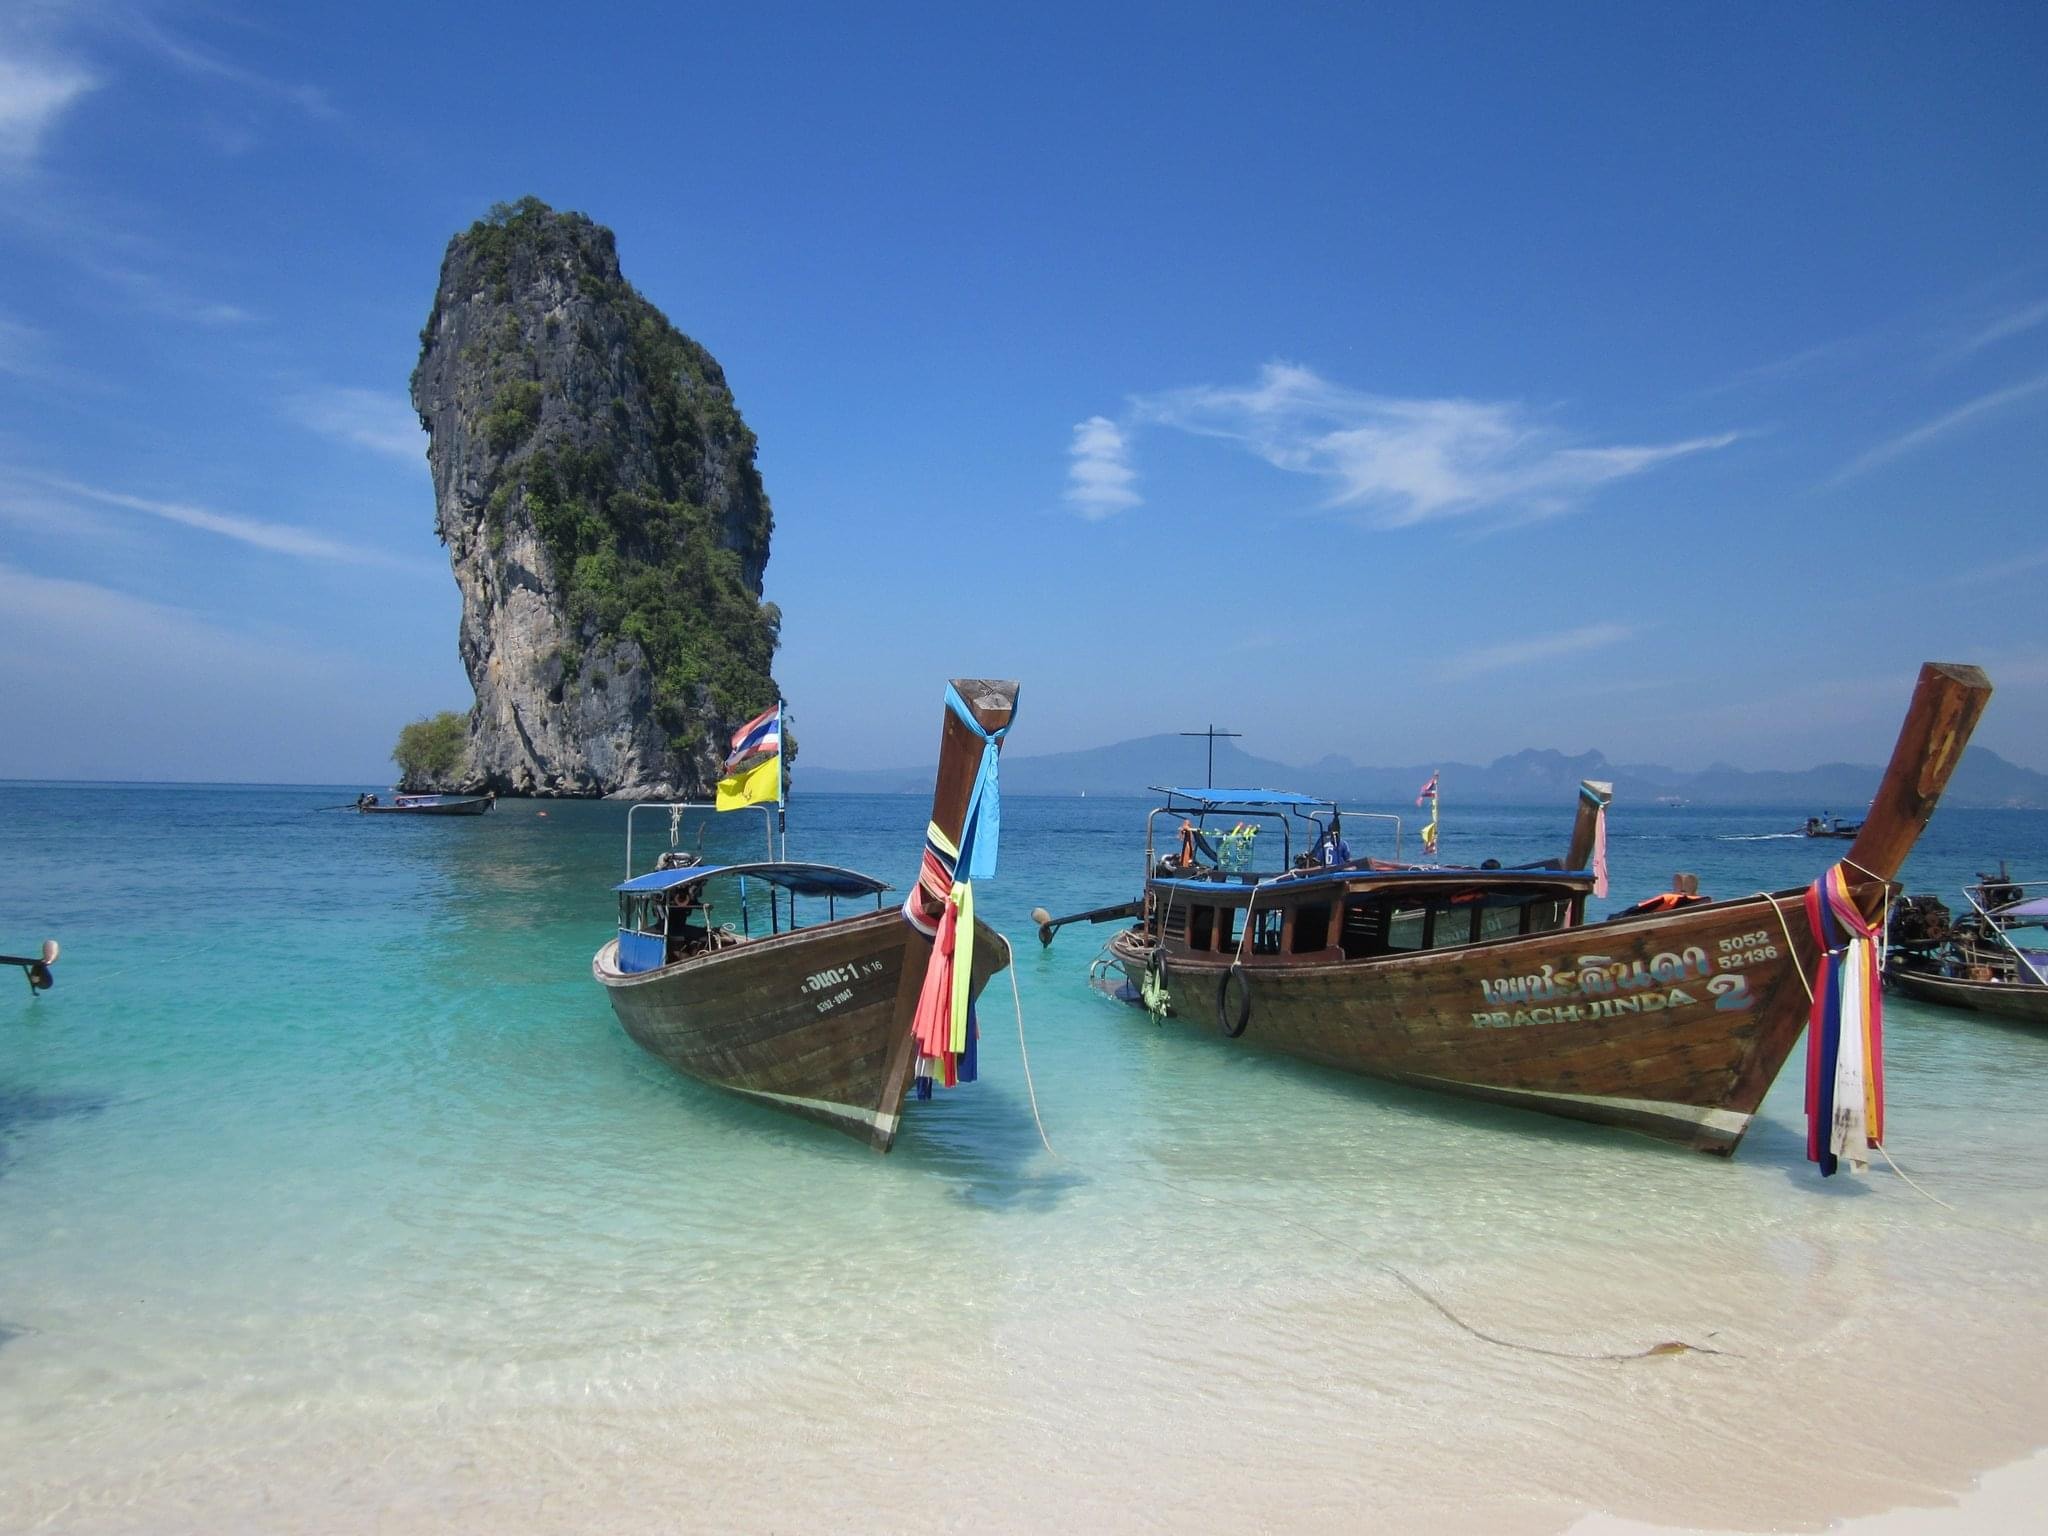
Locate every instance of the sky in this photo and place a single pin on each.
(1670, 381)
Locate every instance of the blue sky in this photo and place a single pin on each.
(1666, 380)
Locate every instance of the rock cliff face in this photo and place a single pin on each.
(597, 493)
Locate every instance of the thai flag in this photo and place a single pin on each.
(760, 737)
(1427, 792)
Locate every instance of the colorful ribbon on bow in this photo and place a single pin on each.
(1845, 1030)
(944, 1025)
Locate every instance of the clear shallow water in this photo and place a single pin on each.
(331, 1195)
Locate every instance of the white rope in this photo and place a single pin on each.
(1909, 1178)
(1791, 949)
(1022, 1054)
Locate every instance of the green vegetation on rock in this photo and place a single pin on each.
(617, 441)
(430, 749)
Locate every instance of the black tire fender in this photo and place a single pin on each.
(1234, 1021)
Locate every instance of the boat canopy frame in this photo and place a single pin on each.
(2025, 911)
(1280, 807)
(677, 809)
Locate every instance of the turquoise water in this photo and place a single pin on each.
(331, 1196)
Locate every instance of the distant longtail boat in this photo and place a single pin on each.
(834, 1021)
(426, 805)
(1671, 1018)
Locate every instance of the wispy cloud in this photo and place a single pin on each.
(196, 60)
(147, 291)
(21, 349)
(1407, 461)
(1516, 653)
(278, 538)
(2014, 322)
(374, 419)
(1920, 436)
(35, 91)
(1999, 570)
(1099, 478)
(107, 683)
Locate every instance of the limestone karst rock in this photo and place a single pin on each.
(597, 493)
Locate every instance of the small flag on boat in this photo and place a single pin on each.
(1429, 793)
(759, 737)
(753, 768)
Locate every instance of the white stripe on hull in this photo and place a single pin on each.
(1730, 1123)
(872, 1118)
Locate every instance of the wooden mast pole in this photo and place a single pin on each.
(1947, 703)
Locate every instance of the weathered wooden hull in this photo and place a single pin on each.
(2007, 999)
(816, 1022)
(1674, 1024)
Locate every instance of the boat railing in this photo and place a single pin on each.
(1282, 818)
(1350, 814)
(676, 811)
(2000, 927)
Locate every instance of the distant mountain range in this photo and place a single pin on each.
(1982, 779)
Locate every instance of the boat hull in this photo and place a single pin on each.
(1673, 1024)
(2009, 1000)
(473, 807)
(815, 1022)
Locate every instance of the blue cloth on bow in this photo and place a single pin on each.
(981, 828)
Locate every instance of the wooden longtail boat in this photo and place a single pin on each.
(427, 805)
(814, 1020)
(1492, 983)
(1832, 826)
(1980, 962)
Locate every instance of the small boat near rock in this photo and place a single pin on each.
(1994, 959)
(838, 1020)
(426, 805)
(1496, 983)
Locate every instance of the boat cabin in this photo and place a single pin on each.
(1284, 885)
(1364, 914)
(679, 913)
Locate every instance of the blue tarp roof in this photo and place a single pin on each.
(1245, 797)
(804, 879)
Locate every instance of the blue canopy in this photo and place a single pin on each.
(1214, 799)
(803, 879)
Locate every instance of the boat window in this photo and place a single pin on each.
(640, 913)
(1311, 927)
(1176, 921)
(1365, 929)
(1201, 927)
(1226, 928)
(1405, 928)
(1266, 925)
(1451, 926)
(1501, 922)
(1546, 915)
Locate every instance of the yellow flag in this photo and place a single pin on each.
(759, 785)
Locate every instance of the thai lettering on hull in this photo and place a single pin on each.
(1599, 987)
(839, 980)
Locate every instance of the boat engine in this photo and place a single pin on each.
(1919, 922)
